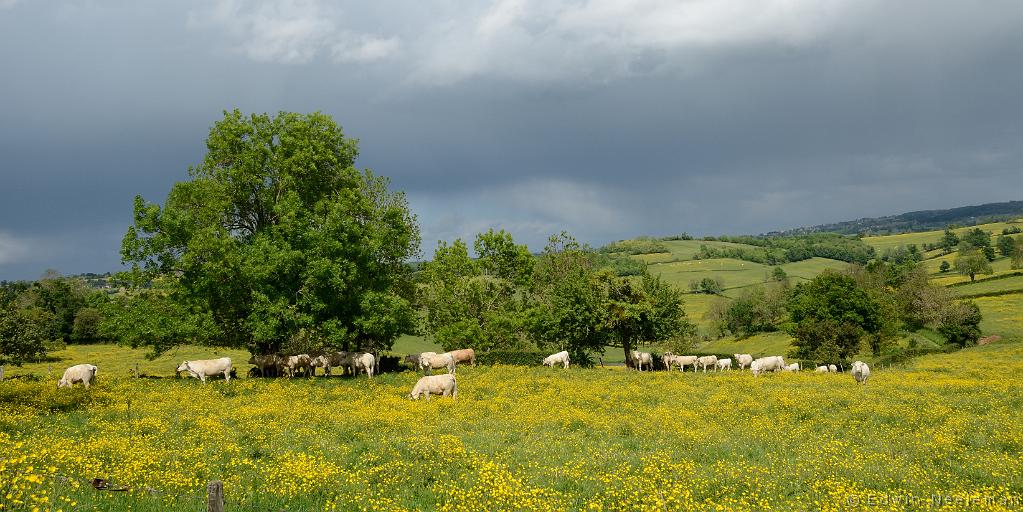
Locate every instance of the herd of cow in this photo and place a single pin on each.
(446, 385)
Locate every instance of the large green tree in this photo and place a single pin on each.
(277, 232)
(971, 261)
(832, 315)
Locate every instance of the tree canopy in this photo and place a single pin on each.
(277, 232)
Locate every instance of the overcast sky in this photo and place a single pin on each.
(608, 119)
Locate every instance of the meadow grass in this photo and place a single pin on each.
(119, 361)
(758, 345)
(990, 286)
(522, 438)
(1003, 315)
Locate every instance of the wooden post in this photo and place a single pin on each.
(215, 496)
(49, 370)
(136, 370)
(1, 373)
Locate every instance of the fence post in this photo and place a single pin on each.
(1, 373)
(136, 370)
(215, 496)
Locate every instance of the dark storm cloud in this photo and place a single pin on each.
(600, 118)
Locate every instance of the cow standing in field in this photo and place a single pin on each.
(743, 360)
(207, 368)
(821, 369)
(443, 385)
(640, 359)
(832, 368)
(706, 361)
(84, 373)
(364, 362)
(558, 358)
(767, 364)
(429, 361)
(723, 364)
(465, 355)
(860, 372)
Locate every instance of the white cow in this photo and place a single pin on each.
(767, 364)
(794, 367)
(642, 358)
(723, 364)
(443, 385)
(364, 362)
(706, 361)
(832, 368)
(671, 360)
(822, 369)
(860, 372)
(744, 360)
(558, 358)
(429, 361)
(84, 373)
(207, 368)
(686, 360)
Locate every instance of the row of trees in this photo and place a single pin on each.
(776, 250)
(565, 298)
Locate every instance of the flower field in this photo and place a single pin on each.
(943, 432)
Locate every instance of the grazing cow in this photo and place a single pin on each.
(822, 369)
(832, 368)
(794, 367)
(671, 360)
(767, 364)
(559, 358)
(723, 364)
(744, 360)
(84, 373)
(705, 361)
(363, 362)
(207, 368)
(269, 364)
(860, 372)
(642, 358)
(429, 361)
(443, 385)
(465, 355)
(293, 364)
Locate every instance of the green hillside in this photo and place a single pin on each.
(680, 267)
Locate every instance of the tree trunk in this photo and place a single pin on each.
(627, 346)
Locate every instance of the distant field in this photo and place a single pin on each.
(990, 286)
(880, 243)
(1001, 265)
(1003, 315)
(772, 343)
(409, 344)
(731, 271)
